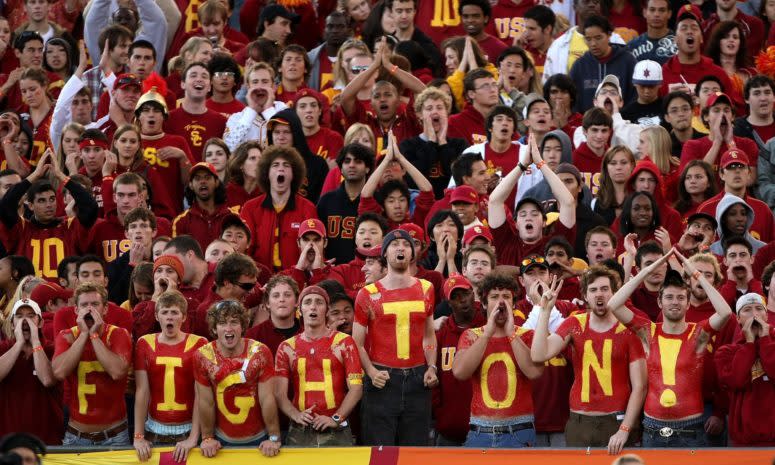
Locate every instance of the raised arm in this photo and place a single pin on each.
(349, 94)
(373, 182)
(719, 319)
(408, 80)
(419, 179)
(545, 345)
(616, 304)
(565, 200)
(496, 212)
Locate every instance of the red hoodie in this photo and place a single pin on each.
(452, 397)
(747, 370)
(670, 219)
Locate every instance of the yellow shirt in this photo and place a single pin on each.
(576, 48)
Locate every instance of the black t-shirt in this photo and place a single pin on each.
(645, 115)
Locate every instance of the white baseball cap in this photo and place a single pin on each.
(647, 73)
(748, 299)
(26, 303)
(612, 80)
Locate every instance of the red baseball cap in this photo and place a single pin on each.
(202, 165)
(716, 96)
(415, 231)
(465, 194)
(312, 225)
(477, 231)
(127, 80)
(689, 11)
(45, 292)
(455, 281)
(307, 92)
(732, 156)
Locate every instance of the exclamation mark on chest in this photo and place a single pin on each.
(668, 357)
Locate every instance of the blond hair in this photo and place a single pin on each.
(661, 146)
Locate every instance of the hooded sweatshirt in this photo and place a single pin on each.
(670, 219)
(317, 168)
(588, 71)
(726, 202)
(542, 191)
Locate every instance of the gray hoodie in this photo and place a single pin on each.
(542, 191)
(726, 202)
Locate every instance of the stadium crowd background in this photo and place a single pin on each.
(495, 224)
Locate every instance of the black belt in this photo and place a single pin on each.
(98, 436)
(502, 429)
(667, 431)
(165, 438)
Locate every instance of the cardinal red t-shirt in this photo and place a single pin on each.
(196, 129)
(396, 320)
(601, 365)
(238, 412)
(170, 370)
(500, 390)
(319, 370)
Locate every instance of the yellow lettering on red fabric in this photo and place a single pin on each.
(84, 388)
(326, 386)
(590, 361)
(169, 404)
(668, 358)
(511, 381)
(403, 312)
(243, 403)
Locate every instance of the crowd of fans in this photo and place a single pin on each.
(314, 223)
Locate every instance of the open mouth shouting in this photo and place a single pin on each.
(231, 338)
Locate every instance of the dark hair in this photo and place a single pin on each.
(20, 41)
(219, 195)
(332, 287)
(184, 76)
(500, 110)
(414, 53)
(463, 166)
(562, 82)
(667, 99)
(736, 240)
(543, 15)
(21, 266)
(374, 217)
(705, 79)
(769, 270)
(337, 296)
(390, 187)
(597, 21)
(114, 34)
(440, 216)
(299, 50)
(597, 117)
(673, 279)
(471, 77)
(496, 280)
(613, 265)
(559, 241)
(142, 43)
(626, 216)
(483, 4)
(720, 31)
(600, 229)
(232, 267)
(289, 154)
(599, 271)
(8, 172)
(142, 214)
(359, 152)
(142, 274)
(372, 27)
(722, 224)
(93, 134)
(62, 267)
(389, 3)
(90, 258)
(39, 187)
(760, 80)
(61, 42)
(184, 244)
(458, 43)
(22, 441)
(223, 62)
(684, 202)
(514, 50)
(648, 247)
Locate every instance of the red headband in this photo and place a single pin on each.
(93, 143)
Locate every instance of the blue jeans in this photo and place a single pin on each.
(697, 438)
(399, 414)
(121, 439)
(516, 440)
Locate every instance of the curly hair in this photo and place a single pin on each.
(220, 313)
(289, 154)
(498, 280)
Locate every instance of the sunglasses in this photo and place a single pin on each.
(223, 74)
(357, 69)
(247, 286)
(226, 304)
(533, 261)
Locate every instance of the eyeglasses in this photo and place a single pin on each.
(357, 69)
(247, 286)
(533, 261)
(224, 74)
(608, 92)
